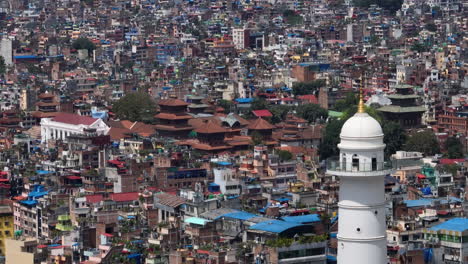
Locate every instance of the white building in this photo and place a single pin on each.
(65, 124)
(361, 168)
(223, 176)
(240, 37)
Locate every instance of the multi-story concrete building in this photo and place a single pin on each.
(452, 238)
(6, 226)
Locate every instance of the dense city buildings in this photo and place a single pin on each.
(266, 132)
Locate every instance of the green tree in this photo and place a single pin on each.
(311, 112)
(390, 5)
(226, 105)
(83, 43)
(394, 137)
(454, 148)
(135, 107)
(431, 27)
(2, 65)
(259, 104)
(256, 138)
(331, 137)
(284, 155)
(345, 103)
(302, 88)
(422, 141)
(279, 112)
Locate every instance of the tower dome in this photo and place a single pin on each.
(361, 125)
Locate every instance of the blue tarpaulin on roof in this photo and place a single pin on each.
(244, 100)
(224, 163)
(426, 191)
(165, 88)
(42, 172)
(454, 224)
(302, 219)
(241, 215)
(274, 226)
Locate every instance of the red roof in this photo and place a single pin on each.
(74, 119)
(95, 198)
(450, 161)
(124, 197)
(262, 113)
(74, 177)
(421, 176)
(309, 97)
(107, 235)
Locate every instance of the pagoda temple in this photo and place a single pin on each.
(265, 129)
(172, 120)
(404, 108)
(211, 137)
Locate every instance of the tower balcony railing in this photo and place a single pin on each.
(337, 167)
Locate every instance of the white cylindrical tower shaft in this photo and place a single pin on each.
(361, 210)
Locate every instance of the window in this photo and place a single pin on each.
(355, 163)
(374, 164)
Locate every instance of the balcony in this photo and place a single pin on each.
(358, 169)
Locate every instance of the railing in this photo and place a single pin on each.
(334, 164)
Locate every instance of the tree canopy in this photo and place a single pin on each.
(390, 5)
(454, 148)
(2, 65)
(311, 112)
(302, 88)
(423, 141)
(83, 43)
(331, 137)
(394, 137)
(345, 103)
(135, 107)
(284, 155)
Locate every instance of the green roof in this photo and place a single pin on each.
(399, 109)
(196, 221)
(403, 96)
(63, 217)
(403, 86)
(335, 113)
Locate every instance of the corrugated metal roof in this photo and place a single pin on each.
(274, 226)
(196, 221)
(455, 224)
(302, 219)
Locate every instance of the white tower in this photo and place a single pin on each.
(361, 210)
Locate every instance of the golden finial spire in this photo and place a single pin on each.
(361, 108)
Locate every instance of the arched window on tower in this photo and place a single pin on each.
(355, 162)
(374, 163)
(343, 160)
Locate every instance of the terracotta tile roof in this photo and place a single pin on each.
(46, 95)
(95, 198)
(207, 147)
(172, 128)
(169, 199)
(172, 102)
(309, 97)
(260, 124)
(262, 113)
(47, 104)
(38, 114)
(74, 119)
(210, 127)
(124, 197)
(173, 116)
(117, 133)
